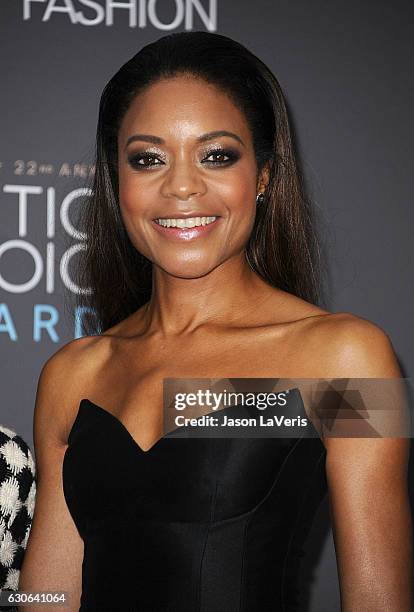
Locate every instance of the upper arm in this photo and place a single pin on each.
(368, 489)
(54, 552)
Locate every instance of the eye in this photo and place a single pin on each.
(135, 161)
(232, 156)
(147, 160)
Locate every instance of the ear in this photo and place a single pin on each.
(263, 179)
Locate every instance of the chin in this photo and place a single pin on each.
(188, 269)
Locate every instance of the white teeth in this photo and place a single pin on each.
(190, 222)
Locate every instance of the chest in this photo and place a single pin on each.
(131, 382)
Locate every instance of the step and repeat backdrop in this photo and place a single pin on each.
(346, 71)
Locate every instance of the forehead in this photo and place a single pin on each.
(183, 107)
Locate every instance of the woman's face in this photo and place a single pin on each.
(174, 169)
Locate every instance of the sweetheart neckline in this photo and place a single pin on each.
(122, 425)
(125, 429)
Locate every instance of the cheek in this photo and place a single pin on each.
(128, 195)
(131, 209)
(238, 187)
(240, 197)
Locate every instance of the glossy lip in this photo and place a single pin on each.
(179, 234)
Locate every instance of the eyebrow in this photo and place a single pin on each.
(202, 138)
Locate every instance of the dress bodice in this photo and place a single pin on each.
(213, 524)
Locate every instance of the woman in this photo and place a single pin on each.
(194, 127)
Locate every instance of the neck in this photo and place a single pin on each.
(182, 305)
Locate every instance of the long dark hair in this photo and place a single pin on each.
(283, 247)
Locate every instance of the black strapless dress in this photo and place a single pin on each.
(192, 524)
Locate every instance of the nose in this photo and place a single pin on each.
(182, 181)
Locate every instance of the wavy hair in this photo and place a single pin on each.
(283, 246)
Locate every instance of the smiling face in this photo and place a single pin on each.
(175, 162)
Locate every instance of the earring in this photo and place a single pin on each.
(260, 198)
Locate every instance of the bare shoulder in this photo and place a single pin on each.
(344, 345)
(335, 345)
(347, 345)
(60, 385)
(353, 347)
